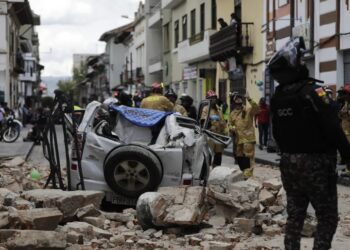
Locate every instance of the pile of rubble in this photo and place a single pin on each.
(223, 215)
(16, 175)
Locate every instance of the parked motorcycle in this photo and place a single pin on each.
(11, 129)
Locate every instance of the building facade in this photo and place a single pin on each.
(13, 60)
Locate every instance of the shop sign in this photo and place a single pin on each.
(190, 73)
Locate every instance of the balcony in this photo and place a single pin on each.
(196, 48)
(19, 66)
(155, 64)
(155, 20)
(28, 77)
(169, 4)
(226, 43)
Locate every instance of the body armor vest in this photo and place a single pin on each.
(296, 123)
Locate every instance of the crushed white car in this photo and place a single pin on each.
(128, 151)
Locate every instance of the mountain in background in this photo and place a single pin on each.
(51, 82)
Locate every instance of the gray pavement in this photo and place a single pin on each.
(261, 156)
(17, 148)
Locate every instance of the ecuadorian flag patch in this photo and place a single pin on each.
(320, 91)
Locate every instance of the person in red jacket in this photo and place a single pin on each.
(262, 120)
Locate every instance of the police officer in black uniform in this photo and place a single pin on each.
(307, 130)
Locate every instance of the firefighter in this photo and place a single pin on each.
(157, 100)
(172, 96)
(217, 124)
(241, 124)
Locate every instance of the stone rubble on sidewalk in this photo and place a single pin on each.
(224, 215)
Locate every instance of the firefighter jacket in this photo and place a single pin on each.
(241, 122)
(180, 109)
(157, 102)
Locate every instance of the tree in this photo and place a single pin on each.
(66, 86)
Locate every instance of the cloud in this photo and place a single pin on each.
(74, 26)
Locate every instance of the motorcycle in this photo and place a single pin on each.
(11, 129)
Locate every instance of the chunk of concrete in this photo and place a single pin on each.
(266, 198)
(87, 211)
(66, 201)
(273, 184)
(15, 162)
(221, 177)
(37, 219)
(244, 225)
(32, 239)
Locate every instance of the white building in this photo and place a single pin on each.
(13, 15)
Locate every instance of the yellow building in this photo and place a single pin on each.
(240, 58)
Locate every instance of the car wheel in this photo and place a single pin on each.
(132, 170)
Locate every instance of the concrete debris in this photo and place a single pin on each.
(309, 227)
(15, 162)
(164, 208)
(230, 213)
(32, 239)
(273, 184)
(66, 201)
(35, 219)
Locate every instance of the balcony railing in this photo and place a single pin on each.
(19, 66)
(231, 41)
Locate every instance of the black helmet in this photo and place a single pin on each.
(285, 66)
(170, 93)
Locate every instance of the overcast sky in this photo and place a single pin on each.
(74, 26)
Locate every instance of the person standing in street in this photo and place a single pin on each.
(262, 120)
(217, 124)
(157, 100)
(241, 125)
(308, 133)
(172, 96)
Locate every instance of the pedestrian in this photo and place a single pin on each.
(172, 96)
(217, 124)
(157, 100)
(308, 133)
(262, 121)
(241, 125)
(187, 103)
(222, 23)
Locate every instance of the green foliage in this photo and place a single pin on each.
(67, 86)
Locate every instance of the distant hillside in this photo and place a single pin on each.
(51, 82)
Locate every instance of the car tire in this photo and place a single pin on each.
(132, 170)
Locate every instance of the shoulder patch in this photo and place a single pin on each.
(320, 92)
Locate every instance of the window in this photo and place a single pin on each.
(166, 37)
(213, 14)
(184, 27)
(202, 17)
(176, 33)
(193, 22)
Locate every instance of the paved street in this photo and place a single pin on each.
(17, 148)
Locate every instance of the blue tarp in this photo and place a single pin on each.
(141, 117)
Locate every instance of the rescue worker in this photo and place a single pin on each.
(187, 103)
(156, 100)
(241, 124)
(172, 96)
(217, 124)
(308, 133)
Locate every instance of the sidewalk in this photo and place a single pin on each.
(17, 148)
(261, 156)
